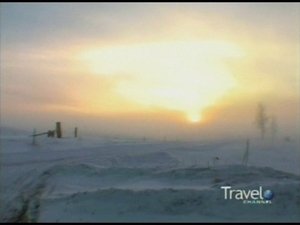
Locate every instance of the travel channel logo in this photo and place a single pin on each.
(255, 196)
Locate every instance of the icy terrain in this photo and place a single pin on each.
(107, 179)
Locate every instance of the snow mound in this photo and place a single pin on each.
(167, 205)
(99, 179)
(85, 192)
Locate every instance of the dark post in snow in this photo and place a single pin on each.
(75, 132)
(58, 130)
(33, 136)
(246, 154)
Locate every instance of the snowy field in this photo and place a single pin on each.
(131, 180)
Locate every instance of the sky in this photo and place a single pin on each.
(157, 70)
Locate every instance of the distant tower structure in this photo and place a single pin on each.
(58, 130)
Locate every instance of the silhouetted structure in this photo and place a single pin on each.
(51, 133)
(246, 154)
(261, 119)
(58, 130)
(75, 132)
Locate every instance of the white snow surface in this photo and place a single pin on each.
(132, 180)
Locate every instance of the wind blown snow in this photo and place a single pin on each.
(131, 180)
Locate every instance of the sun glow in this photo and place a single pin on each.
(194, 117)
(182, 76)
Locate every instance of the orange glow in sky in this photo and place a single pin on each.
(150, 68)
(185, 76)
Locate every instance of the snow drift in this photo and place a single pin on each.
(73, 180)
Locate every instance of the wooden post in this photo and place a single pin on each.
(58, 130)
(33, 137)
(75, 132)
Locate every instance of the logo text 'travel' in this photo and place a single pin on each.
(254, 196)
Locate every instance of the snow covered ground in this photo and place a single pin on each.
(130, 180)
